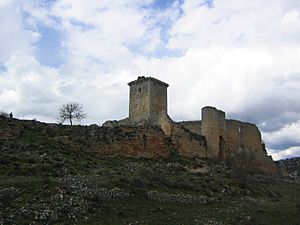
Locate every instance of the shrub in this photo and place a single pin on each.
(155, 177)
(4, 114)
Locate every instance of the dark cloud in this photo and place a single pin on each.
(270, 114)
(285, 144)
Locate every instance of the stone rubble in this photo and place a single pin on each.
(178, 197)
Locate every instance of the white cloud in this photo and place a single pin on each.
(233, 79)
(103, 30)
(288, 135)
(287, 153)
(14, 38)
(238, 23)
(240, 56)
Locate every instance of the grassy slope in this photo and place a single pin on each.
(46, 181)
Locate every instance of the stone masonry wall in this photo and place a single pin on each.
(142, 141)
(188, 143)
(245, 135)
(148, 99)
(250, 161)
(126, 141)
(193, 126)
(158, 100)
(139, 102)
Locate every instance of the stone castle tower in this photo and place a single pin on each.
(148, 105)
(213, 127)
(148, 100)
(212, 137)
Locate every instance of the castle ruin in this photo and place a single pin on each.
(212, 137)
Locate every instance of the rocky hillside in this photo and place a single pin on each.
(52, 174)
(291, 166)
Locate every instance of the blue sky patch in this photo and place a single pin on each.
(48, 48)
(2, 68)
(48, 3)
(83, 26)
(163, 4)
(210, 3)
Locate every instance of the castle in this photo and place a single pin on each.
(212, 137)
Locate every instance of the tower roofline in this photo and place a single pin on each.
(143, 79)
(214, 108)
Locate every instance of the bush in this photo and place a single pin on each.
(154, 177)
(4, 114)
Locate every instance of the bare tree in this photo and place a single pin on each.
(71, 111)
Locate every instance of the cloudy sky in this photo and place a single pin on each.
(240, 56)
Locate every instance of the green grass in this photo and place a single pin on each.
(39, 172)
(138, 209)
(234, 210)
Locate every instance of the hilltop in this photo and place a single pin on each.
(54, 174)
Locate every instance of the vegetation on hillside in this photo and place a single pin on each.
(45, 180)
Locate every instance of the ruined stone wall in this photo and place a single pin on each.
(245, 135)
(247, 160)
(188, 143)
(264, 163)
(178, 139)
(222, 123)
(193, 126)
(115, 123)
(126, 141)
(130, 141)
(166, 123)
(142, 141)
(251, 137)
(153, 142)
